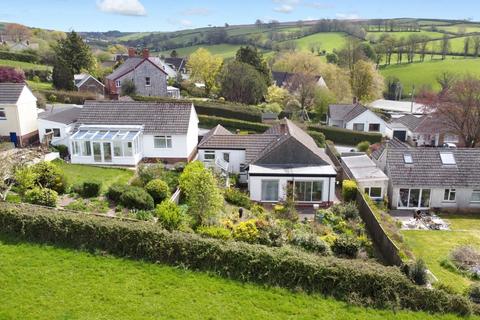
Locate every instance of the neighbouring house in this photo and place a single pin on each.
(430, 178)
(88, 83)
(18, 46)
(283, 156)
(369, 177)
(18, 114)
(124, 133)
(144, 71)
(355, 117)
(282, 79)
(178, 65)
(173, 92)
(399, 107)
(423, 131)
(56, 126)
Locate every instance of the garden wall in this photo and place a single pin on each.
(356, 281)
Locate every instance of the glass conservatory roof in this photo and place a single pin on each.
(117, 135)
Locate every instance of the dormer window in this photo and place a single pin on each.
(447, 158)
(407, 158)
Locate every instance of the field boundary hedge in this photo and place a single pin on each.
(356, 281)
(214, 108)
(345, 136)
(17, 56)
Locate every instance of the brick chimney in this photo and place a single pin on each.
(132, 52)
(145, 53)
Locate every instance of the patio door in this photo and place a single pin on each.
(413, 198)
(97, 152)
(107, 152)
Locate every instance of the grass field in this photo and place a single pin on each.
(23, 65)
(40, 85)
(44, 282)
(406, 34)
(457, 28)
(420, 74)
(326, 40)
(434, 246)
(223, 50)
(77, 173)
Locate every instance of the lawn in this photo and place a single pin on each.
(223, 50)
(434, 246)
(77, 173)
(44, 282)
(24, 65)
(40, 85)
(425, 73)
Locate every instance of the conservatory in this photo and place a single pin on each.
(107, 145)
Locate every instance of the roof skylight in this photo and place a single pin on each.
(447, 158)
(407, 157)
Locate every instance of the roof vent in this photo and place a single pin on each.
(447, 158)
(407, 158)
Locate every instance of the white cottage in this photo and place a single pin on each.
(18, 114)
(355, 117)
(270, 162)
(124, 133)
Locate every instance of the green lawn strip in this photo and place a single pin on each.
(45, 282)
(40, 85)
(24, 65)
(435, 246)
(325, 40)
(78, 173)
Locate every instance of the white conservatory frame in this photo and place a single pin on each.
(107, 145)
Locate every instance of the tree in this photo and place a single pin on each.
(394, 88)
(367, 83)
(466, 46)
(445, 46)
(351, 53)
(332, 58)
(259, 23)
(476, 46)
(74, 53)
(17, 32)
(12, 75)
(303, 86)
(458, 109)
(128, 88)
(240, 82)
(251, 56)
(446, 80)
(423, 43)
(204, 67)
(323, 98)
(276, 95)
(117, 49)
(174, 54)
(202, 193)
(62, 76)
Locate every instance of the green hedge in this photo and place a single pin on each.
(44, 75)
(69, 96)
(345, 136)
(17, 56)
(356, 281)
(318, 137)
(215, 108)
(232, 124)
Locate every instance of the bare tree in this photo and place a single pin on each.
(445, 46)
(476, 46)
(446, 80)
(466, 46)
(303, 86)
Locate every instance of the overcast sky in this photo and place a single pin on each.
(161, 15)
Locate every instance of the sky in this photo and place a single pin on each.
(161, 15)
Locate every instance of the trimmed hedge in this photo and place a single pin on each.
(318, 137)
(74, 97)
(215, 108)
(345, 136)
(351, 280)
(17, 56)
(232, 124)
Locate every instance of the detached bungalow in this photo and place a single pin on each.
(423, 178)
(270, 162)
(281, 79)
(124, 133)
(18, 114)
(355, 117)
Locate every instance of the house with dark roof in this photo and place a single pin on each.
(147, 74)
(126, 132)
(178, 65)
(85, 82)
(424, 178)
(424, 131)
(282, 79)
(355, 117)
(55, 126)
(283, 156)
(18, 114)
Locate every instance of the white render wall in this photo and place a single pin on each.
(367, 118)
(65, 131)
(192, 133)
(237, 157)
(255, 186)
(462, 199)
(362, 184)
(178, 150)
(21, 117)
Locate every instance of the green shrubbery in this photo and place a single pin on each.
(311, 242)
(318, 137)
(18, 56)
(74, 97)
(246, 231)
(363, 146)
(41, 196)
(349, 190)
(345, 136)
(237, 198)
(115, 191)
(158, 189)
(361, 282)
(169, 215)
(91, 189)
(232, 124)
(416, 271)
(136, 198)
(346, 246)
(214, 232)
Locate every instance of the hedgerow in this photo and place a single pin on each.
(350, 280)
(232, 124)
(345, 136)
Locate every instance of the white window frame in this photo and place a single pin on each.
(207, 155)
(475, 192)
(148, 81)
(370, 124)
(167, 140)
(448, 194)
(118, 83)
(358, 123)
(76, 148)
(311, 182)
(368, 190)
(261, 190)
(54, 130)
(3, 114)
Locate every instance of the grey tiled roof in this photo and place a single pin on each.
(157, 118)
(178, 63)
(345, 112)
(427, 169)
(280, 78)
(66, 116)
(10, 92)
(130, 64)
(390, 144)
(410, 121)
